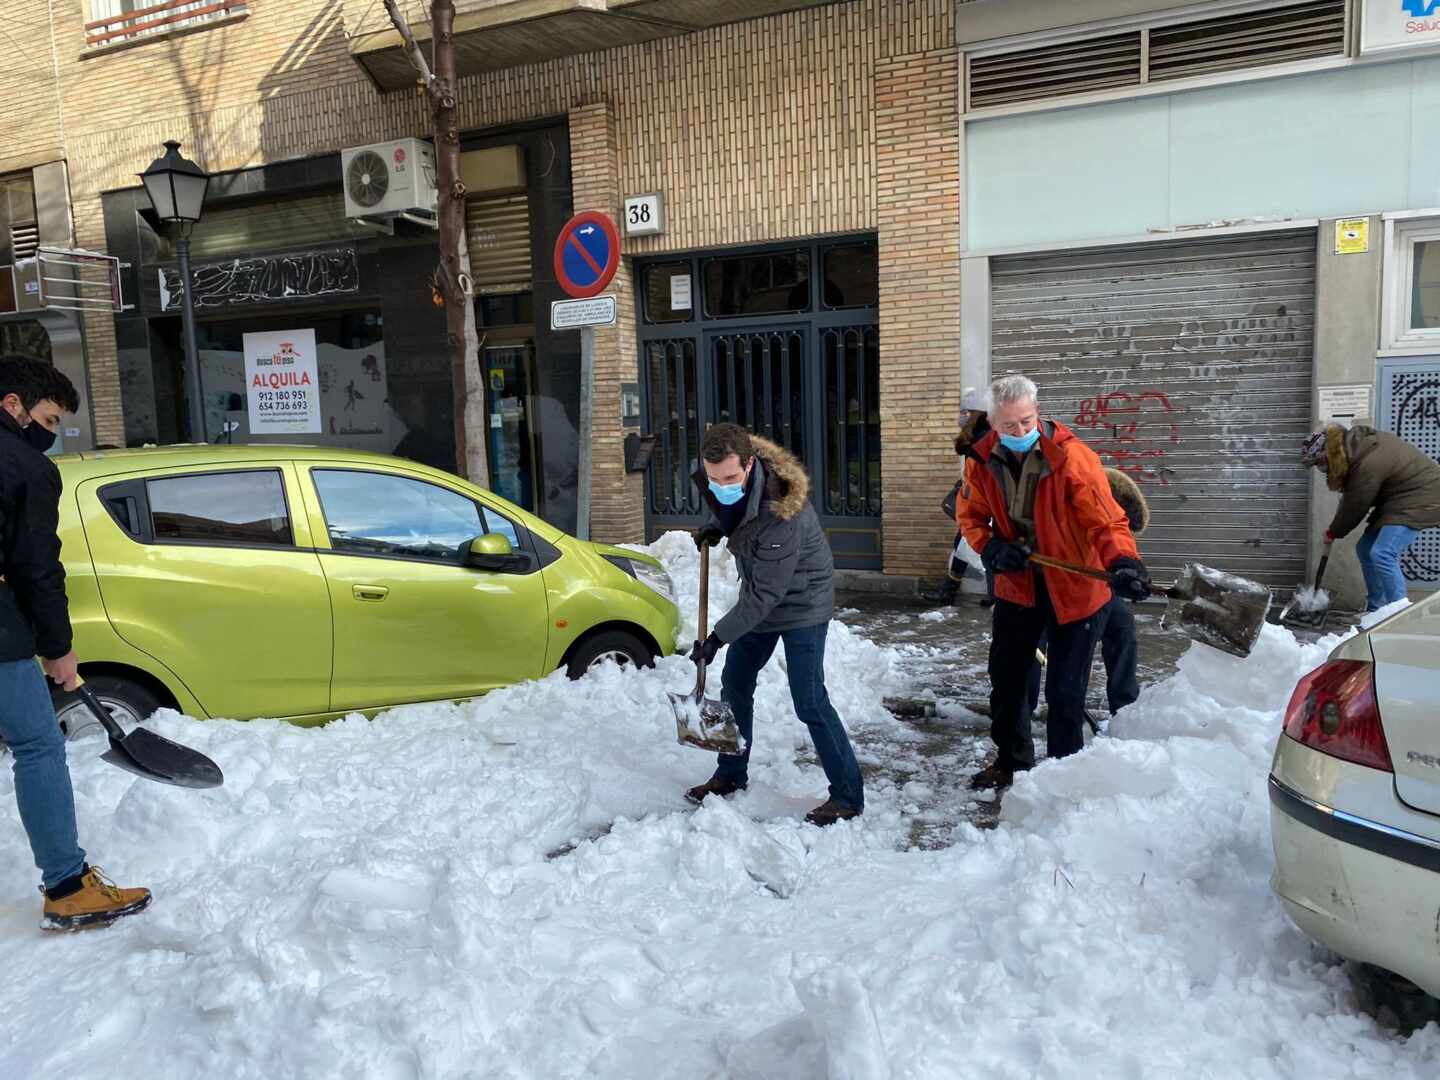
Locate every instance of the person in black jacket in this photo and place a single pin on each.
(35, 620)
(759, 496)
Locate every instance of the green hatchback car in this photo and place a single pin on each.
(305, 583)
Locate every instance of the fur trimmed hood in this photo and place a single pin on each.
(1131, 499)
(1337, 461)
(974, 426)
(787, 485)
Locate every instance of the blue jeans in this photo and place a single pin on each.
(42, 779)
(1380, 550)
(805, 665)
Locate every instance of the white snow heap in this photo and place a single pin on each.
(379, 899)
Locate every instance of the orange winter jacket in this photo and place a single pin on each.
(1076, 519)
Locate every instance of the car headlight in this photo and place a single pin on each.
(652, 577)
(655, 578)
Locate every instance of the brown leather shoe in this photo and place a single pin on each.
(994, 777)
(98, 902)
(714, 786)
(829, 812)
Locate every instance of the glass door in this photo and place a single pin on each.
(509, 378)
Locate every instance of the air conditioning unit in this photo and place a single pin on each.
(389, 180)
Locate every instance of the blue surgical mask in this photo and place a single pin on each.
(1020, 444)
(727, 494)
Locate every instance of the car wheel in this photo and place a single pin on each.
(614, 646)
(129, 702)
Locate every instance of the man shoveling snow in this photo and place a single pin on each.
(758, 495)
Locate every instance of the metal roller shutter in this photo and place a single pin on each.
(497, 229)
(1188, 366)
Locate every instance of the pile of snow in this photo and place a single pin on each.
(1309, 598)
(512, 889)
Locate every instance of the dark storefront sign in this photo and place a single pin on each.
(784, 341)
(296, 276)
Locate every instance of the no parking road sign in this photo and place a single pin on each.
(587, 251)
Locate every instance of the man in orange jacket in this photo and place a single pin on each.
(1030, 487)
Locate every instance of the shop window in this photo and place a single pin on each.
(1412, 275)
(221, 508)
(370, 513)
(19, 233)
(669, 292)
(769, 284)
(852, 276)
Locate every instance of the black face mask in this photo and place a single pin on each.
(38, 436)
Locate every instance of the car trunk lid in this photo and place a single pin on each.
(1407, 687)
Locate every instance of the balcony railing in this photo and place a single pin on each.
(157, 19)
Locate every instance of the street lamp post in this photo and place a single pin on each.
(177, 192)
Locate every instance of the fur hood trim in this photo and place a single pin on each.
(1131, 499)
(975, 426)
(787, 487)
(1337, 462)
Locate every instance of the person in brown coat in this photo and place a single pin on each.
(1397, 485)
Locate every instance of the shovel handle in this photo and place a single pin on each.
(1086, 571)
(704, 591)
(102, 714)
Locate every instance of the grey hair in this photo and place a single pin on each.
(1012, 388)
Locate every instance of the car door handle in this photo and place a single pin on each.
(370, 592)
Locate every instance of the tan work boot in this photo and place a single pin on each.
(97, 902)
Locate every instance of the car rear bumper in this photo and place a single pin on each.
(1367, 890)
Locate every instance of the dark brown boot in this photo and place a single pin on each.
(714, 786)
(994, 777)
(829, 812)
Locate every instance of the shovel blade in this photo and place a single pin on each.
(705, 723)
(1218, 609)
(155, 757)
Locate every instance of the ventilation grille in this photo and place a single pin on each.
(1252, 40)
(1231, 42)
(497, 228)
(24, 239)
(1076, 67)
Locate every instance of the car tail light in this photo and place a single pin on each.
(1333, 710)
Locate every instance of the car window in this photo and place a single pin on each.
(499, 523)
(383, 514)
(224, 508)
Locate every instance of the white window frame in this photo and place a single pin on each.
(1401, 236)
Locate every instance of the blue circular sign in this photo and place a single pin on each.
(587, 253)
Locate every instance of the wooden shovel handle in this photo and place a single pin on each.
(1083, 571)
(704, 590)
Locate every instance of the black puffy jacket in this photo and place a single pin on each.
(34, 615)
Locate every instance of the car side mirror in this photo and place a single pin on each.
(491, 552)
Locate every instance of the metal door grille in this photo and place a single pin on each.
(1410, 408)
(1189, 367)
(850, 359)
(673, 400)
(759, 383)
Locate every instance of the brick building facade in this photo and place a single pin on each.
(836, 120)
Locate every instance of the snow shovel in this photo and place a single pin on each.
(701, 721)
(1302, 615)
(152, 756)
(1215, 609)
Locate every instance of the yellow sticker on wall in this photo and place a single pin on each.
(1352, 237)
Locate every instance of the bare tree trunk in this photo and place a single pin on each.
(454, 276)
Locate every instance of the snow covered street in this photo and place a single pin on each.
(515, 888)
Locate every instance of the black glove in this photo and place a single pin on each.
(1129, 579)
(703, 652)
(710, 534)
(1004, 556)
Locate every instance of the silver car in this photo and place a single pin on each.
(1355, 798)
